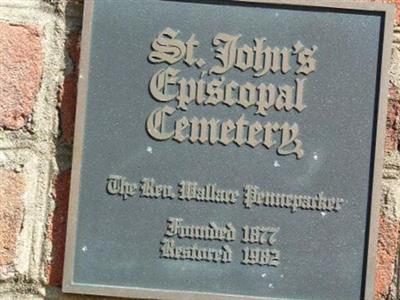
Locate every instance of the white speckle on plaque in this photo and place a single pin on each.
(315, 156)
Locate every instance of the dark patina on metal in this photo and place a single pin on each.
(228, 150)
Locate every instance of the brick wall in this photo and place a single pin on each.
(39, 67)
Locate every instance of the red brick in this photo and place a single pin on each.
(394, 93)
(12, 188)
(73, 47)
(68, 92)
(21, 63)
(386, 256)
(57, 229)
(392, 126)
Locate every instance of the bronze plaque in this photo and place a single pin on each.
(228, 150)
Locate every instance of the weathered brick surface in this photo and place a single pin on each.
(392, 126)
(392, 141)
(57, 229)
(389, 235)
(387, 256)
(21, 63)
(12, 189)
(68, 92)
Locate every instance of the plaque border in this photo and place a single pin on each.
(68, 286)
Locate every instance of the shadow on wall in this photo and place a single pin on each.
(67, 95)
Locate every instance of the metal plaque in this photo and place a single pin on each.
(228, 150)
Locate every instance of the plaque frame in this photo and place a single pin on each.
(68, 286)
